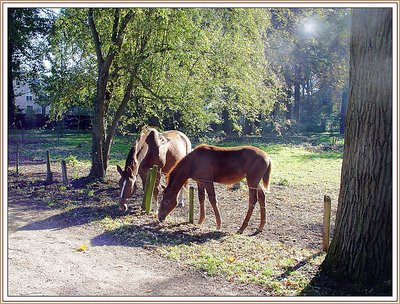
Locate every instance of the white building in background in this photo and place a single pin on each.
(25, 100)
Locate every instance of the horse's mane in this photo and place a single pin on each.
(129, 159)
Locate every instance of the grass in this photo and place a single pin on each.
(301, 165)
(271, 265)
(73, 146)
(297, 165)
(311, 161)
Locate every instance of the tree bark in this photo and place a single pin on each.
(361, 249)
(114, 124)
(98, 169)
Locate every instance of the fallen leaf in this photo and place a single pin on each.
(82, 248)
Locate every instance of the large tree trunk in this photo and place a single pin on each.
(361, 249)
(100, 143)
(98, 170)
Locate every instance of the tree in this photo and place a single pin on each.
(361, 249)
(25, 26)
(152, 63)
(310, 49)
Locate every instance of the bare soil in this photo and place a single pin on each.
(49, 224)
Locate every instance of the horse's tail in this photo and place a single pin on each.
(267, 176)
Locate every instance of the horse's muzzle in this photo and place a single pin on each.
(161, 218)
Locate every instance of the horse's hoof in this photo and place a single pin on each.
(124, 208)
(239, 231)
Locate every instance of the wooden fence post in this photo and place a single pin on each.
(64, 172)
(49, 178)
(145, 191)
(148, 192)
(191, 205)
(327, 223)
(17, 161)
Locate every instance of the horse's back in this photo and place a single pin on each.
(232, 153)
(179, 140)
(178, 147)
(228, 164)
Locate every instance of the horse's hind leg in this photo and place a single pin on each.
(213, 200)
(261, 200)
(202, 197)
(252, 202)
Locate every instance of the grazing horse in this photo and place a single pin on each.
(207, 164)
(151, 148)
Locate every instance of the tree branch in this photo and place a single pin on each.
(127, 18)
(96, 39)
(115, 25)
(118, 115)
(148, 89)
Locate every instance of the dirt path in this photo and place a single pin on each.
(43, 260)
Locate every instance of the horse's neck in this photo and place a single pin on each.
(178, 176)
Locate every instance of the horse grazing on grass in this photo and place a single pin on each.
(207, 164)
(151, 148)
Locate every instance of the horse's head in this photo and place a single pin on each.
(127, 186)
(167, 204)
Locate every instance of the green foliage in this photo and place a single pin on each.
(26, 26)
(71, 160)
(185, 65)
(309, 48)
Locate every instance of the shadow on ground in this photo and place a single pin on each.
(153, 235)
(322, 285)
(74, 217)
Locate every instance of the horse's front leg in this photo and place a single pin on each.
(213, 200)
(202, 197)
(252, 202)
(180, 195)
(143, 177)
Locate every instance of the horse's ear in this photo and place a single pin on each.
(119, 169)
(129, 171)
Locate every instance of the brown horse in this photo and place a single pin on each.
(151, 148)
(207, 164)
